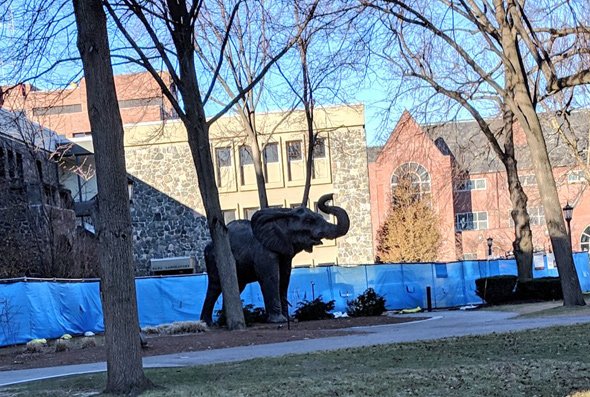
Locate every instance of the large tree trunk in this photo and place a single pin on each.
(198, 140)
(522, 106)
(523, 238)
(124, 365)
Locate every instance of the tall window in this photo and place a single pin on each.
(471, 221)
(585, 240)
(271, 153)
(415, 174)
(228, 216)
(249, 212)
(223, 162)
(319, 148)
(246, 155)
(294, 152)
(294, 158)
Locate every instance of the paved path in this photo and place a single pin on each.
(440, 325)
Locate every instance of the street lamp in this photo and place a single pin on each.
(490, 242)
(568, 211)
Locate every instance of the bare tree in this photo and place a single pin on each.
(124, 363)
(329, 52)
(169, 38)
(505, 54)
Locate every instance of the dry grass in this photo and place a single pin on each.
(179, 327)
(542, 362)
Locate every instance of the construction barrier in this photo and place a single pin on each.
(47, 309)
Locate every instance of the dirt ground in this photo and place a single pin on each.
(86, 350)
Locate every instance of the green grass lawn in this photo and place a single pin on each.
(545, 362)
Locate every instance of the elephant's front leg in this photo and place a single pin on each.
(269, 284)
(284, 279)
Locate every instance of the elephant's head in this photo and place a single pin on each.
(289, 231)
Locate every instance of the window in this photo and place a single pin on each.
(585, 240)
(319, 148)
(322, 213)
(294, 151)
(223, 155)
(528, 180)
(10, 157)
(246, 155)
(248, 212)
(471, 184)
(576, 176)
(49, 110)
(271, 153)
(19, 166)
(469, 256)
(228, 216)
(138, 103)
(471, 221)
(536, 216)
(39, 165)
(413, 173)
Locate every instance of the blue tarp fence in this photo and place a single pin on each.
(48, 309)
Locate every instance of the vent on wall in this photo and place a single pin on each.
(174, 265)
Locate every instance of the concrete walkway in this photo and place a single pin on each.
(441, 325)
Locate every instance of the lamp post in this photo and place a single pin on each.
(490, 242)
(568, 211)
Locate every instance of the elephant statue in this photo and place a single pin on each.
(264, 247)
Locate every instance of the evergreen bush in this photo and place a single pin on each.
(251, 315)
(497, 289)
(316, 309)
(369, 303)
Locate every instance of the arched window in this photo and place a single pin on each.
(415, 174)
(585, 239)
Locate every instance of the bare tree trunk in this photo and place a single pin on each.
(523, 238)
(522, 106)
(124, 365)
(198, 140)
(257, 158)
(309, 108)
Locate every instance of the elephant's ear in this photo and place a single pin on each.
(269, 226)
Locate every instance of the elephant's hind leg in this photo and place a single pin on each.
(213, 292)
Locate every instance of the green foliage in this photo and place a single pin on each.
(251, 315)
(316, 309)
(369, 303)
(497, 289)
(540, 289)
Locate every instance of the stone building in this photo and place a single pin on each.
(37, 223)
(455, 166)
(158, 157)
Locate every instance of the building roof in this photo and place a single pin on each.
(566, 138)
(15, 125)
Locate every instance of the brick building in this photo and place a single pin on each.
(65, 111)
(467, 183)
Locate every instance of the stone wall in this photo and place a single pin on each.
(165, 222)
(351, 188)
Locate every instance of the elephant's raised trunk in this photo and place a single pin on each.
(342, 220)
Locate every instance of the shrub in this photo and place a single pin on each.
(316, 309)
(251, 315)
(544, 289)
(497, 289)
(61, 345)
(369, 303)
